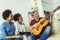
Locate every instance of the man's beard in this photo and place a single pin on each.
(37, 17)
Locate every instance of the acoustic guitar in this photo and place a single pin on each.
(41, 24)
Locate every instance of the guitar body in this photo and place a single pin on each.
(37, 31)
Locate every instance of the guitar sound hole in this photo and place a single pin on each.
(42, 23)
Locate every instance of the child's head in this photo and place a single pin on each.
(18, 17)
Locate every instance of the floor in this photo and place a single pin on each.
(54, 37)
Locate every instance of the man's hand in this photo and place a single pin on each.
(19, 36)
(35, 25)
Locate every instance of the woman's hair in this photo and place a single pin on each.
(6, 14)
(16, 16)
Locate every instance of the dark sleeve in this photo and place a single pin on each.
(32, 22)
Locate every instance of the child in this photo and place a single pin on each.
(20, 26)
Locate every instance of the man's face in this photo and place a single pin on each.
(10, 18)
(36, 15)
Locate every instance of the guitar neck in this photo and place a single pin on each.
(46, 18)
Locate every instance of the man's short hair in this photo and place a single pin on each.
(32, 13)
(6, 14)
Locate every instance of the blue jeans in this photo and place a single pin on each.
(29, 38)
(17, 39)
(44, 34)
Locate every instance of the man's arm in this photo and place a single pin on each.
(51, 15)
(33, 26)
(3, 34)
(18, 36)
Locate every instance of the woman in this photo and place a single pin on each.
(7, 29)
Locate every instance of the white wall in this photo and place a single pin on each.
(50, 5)
(40, 8)
(55, 3)
(47, 5)
(17, 6)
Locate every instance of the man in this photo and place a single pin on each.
(7, 28)
(46, 31)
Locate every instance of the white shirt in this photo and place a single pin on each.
(19, 28)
